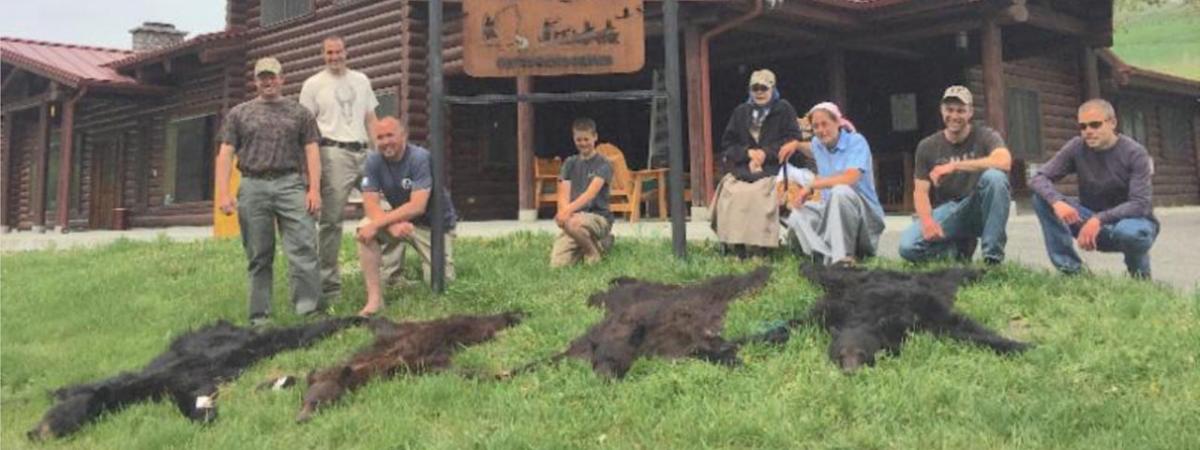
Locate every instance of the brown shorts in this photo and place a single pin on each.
(566, 251)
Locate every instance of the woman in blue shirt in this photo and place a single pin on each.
(843, 224)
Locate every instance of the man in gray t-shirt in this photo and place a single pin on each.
(1114, 211)
(583, 213)
(961, 189)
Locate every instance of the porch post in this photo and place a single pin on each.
(993, 77)
(835, 64)
(1091, 74)
(65, 148)
(695, 116)
(527, 205)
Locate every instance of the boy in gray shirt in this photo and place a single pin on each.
(1114, 211)
(583, 213)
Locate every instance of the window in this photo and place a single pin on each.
(275, 11)
(501, 126)
(1024, 124)
(188, 166)
(387, 104)
(76, 199)
(1132, 121)
(53, 160)
(1176, 123)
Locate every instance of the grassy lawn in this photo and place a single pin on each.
(1165, 39)
(1115, 366)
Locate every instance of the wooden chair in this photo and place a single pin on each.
(630, 187)
(545, 174)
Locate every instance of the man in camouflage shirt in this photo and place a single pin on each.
(275, 140)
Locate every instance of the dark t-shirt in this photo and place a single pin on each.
(580, 173)
(397, 180)
(935, 150)
(270, 135)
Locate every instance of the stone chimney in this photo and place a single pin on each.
(155, 35)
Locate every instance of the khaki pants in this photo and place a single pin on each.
(566, 251)
(747, 213)
(341, 171)
(421, 241)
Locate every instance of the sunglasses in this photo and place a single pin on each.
(759, 88)
(1095, 125)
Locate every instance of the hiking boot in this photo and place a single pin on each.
(965, 249)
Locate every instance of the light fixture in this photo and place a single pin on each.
(962, 41)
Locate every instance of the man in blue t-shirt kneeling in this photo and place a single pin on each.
(399, 172)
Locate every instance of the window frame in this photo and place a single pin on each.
(1031, 151)
(170, 167)
(1177, 136)
(311, 9)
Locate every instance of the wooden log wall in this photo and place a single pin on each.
(19, 166)
(1176, 181)
(1060, 87)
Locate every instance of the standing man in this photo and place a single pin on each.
(966, 168)
(275, 140)
(1114, 212)
(344, 104)
(402, 174)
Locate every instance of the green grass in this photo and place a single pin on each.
(1164, 39)
(1115, 366)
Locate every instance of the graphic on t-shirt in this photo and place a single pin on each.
(345, 99)
(956, 158)
(406, 184)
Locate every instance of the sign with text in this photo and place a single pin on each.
(508, 38)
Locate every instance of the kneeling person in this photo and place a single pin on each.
(844, 226)
(583, 213)
(401, 173)
(1114, 211)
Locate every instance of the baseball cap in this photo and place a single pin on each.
(268, 64)
(960, 93)
(764, 77)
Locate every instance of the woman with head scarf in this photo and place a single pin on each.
(761, 134)
(844, 225)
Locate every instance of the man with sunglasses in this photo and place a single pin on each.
(1114, 212)
(961, 191)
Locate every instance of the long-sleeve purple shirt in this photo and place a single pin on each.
(1114, 183)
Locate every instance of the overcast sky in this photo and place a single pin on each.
(104, 23)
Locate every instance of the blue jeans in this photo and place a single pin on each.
(1132, 236)
(982, 215)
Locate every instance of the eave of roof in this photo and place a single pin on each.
(71, 65)
(197, 43)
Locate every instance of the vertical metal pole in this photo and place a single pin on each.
(437, 147)
(674, 126)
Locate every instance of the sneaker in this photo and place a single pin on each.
(259, 320)
(318, 313)
(606, 243)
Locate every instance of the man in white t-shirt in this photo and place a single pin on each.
(344, 104)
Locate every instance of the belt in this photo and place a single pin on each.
(352, 146)
(268, 174)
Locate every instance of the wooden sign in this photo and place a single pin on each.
(508, 38)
